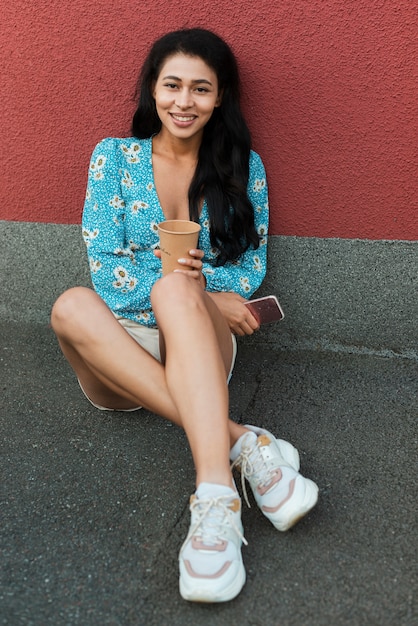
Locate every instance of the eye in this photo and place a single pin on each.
(170, 85)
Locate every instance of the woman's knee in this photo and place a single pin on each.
(70, 305)
(176, 288)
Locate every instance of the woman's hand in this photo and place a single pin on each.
(195, 264)
(232, 306)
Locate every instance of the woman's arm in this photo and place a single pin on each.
(245, 275)
(233, 283)
(122, 273)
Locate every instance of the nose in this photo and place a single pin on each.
(184, 99)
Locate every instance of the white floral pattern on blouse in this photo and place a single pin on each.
(120, 218)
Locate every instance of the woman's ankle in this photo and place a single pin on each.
(215, 479)
(236, 431)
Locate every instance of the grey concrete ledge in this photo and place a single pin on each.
(340, 295)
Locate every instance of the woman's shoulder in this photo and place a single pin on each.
(128, 146)
(120, 154)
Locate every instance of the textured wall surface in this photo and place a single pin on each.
(329, 92)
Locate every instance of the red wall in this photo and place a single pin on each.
(330, 96)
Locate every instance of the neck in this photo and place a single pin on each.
(176, 148)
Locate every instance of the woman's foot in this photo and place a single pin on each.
(271, 466)
(211, 567)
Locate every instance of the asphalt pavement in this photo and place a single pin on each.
(94, 506)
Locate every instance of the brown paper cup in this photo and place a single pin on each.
(177, 237)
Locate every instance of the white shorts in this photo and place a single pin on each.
(149, 339)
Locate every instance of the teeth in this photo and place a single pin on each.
(182, 118)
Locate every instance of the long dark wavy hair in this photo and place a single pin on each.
(222, 171)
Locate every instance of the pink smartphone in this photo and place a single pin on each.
(266, 309)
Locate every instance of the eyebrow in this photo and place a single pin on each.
(197, 80)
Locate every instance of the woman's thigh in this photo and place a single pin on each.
(177, 298)
(84, 326)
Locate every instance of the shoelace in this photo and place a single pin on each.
(212, 516)
(252, 463)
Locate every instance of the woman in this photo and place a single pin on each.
(168, 343)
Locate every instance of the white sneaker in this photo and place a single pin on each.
(271, 467)
(211, 567)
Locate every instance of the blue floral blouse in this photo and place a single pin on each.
(120, 218)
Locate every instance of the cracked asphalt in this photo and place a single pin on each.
(94, 506)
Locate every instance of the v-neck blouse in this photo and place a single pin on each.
(120, 219)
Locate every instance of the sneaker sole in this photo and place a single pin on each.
(206, 595)
(291, 514)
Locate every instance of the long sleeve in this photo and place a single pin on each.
(122, 264)
(245, 275)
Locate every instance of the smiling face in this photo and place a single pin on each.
(186, 94)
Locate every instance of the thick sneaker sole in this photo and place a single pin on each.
(304, 498)
(199, 592)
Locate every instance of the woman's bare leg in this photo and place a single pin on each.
(112, 368)
(199, 352)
